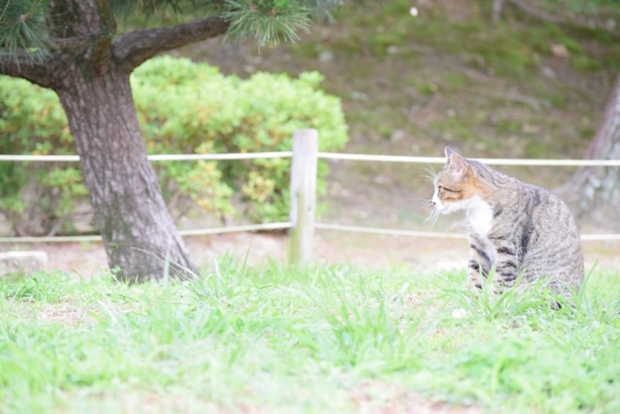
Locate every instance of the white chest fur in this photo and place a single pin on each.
(479, 216)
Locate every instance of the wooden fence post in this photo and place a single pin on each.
(303, 193)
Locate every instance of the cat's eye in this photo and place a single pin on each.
(446, 189)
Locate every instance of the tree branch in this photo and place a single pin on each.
(22, 66)
(74, 42)
(133, 48)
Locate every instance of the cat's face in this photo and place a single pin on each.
(456, 186)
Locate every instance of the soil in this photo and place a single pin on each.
(432, 256)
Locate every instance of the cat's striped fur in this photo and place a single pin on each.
(518, 229)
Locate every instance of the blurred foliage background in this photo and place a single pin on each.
(529, 79)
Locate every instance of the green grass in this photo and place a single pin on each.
(316, 339)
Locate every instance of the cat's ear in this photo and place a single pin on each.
(455, 163)
(458, 165)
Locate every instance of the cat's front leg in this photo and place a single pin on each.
(507, 266)
(479, 265)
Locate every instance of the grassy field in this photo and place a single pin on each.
(276, 339)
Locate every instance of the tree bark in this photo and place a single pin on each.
(594, 192)
(136, 47)
(137, 230)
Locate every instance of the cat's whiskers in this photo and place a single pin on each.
(430, 173)
(433, 216)
(430, 170)
(426, 204)
(434, 213)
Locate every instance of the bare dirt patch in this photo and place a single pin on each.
(432, 256)
(67, 313)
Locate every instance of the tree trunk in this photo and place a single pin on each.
(89, 69)
(137, 229)
(595, 191)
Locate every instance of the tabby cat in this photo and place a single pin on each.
(520, 230)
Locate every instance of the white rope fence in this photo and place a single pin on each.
(321, 155)
(331, 156)
(390, 232)
(488, 161)
(198, 232)
(157, 157)
(436, 234)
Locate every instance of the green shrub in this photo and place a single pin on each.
(183, 107)
(37, 198)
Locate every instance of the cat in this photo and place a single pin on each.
(520, 231)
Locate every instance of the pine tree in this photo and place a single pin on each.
(73, 48)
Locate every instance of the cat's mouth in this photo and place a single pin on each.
(445, 209)
(439, 206)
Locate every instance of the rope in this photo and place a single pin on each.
(199, 232)
(158, 157)
(392, 232)
(488, 161)
(332, 156)
(287, 225)
(434, 234)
